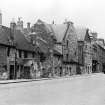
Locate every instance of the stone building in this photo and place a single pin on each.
(84, 50)
(46, 41)
(101, 55)
(98, 53)
(18, 57)
(6, 45)
(95, 50)
(66, 39)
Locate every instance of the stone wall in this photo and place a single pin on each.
(3, 62)
(87, 57)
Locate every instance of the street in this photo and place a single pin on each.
(75, 90)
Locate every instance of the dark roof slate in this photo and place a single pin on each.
(58, 30)
(5, 35)
(22, 43)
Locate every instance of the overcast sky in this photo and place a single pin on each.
(88, 13)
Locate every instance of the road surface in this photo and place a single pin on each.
(76, 90)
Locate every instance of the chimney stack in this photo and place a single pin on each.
(13, 28)
(28, 26)
(19, 24)
(0, 17)
(13, 24)
(53, 22)
(68, 22)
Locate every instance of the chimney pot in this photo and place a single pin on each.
(13, 24)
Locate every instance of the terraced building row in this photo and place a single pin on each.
(49, 50)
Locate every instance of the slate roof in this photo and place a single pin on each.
(100, 43)
(22, 43)
(81, 32)
(56, 29)
(59, 31)
(25, 31)
(20, 39)
(5, 35)
(46, 27)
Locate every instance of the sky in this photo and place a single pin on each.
(83, 13)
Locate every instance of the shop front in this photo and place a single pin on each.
(27, 68)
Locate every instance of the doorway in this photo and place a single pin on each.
(26, 72)
(12, 72)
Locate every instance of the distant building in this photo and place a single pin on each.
(98, 53)
(101, 55)
(95, 50)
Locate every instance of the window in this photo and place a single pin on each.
(8, 51)
(20, 53)
(85, 46)
(33, 54)
(90, 67)
(75, 53)
(67, 55)
(25, 54)
(86, 67)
